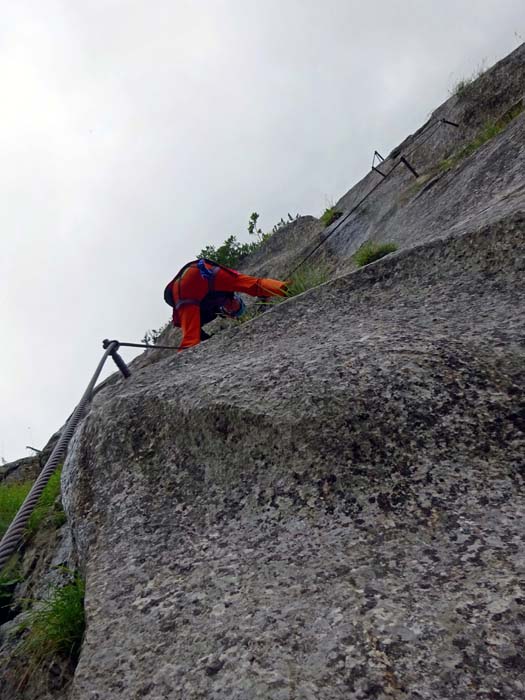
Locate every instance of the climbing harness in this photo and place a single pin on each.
(208, 303)
(207, 274)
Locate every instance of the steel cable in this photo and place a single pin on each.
(14, 533)
(432, 127)
(344, 218)
(432, 132)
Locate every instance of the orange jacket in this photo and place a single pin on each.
(198, 279)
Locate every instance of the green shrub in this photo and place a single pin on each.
(254, 231)
(371, 251)
(230, 252)
(56, 625)
(330, 215)
(306, 277)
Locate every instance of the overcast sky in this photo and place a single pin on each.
(133, 133)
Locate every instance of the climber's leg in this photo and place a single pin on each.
(190, 323)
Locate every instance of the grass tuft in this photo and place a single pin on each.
(330, 215)
(12, 496)
(464, 85)
(56, 625)
(10, 575)
(46, 505)
(371, 251)
(306, 277)
(488, 132)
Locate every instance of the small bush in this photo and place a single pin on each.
(330, 215)
(230, 252)
(56, 625)
(371, 251)
(257, 232)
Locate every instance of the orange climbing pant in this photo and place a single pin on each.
(191, 287)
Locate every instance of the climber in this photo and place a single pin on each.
(203, 289)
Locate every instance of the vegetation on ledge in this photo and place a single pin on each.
(330, 215)
(55, 626)
(370, 251)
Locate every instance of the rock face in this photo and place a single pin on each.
(326, 502)
(485, 187)
(27, 468)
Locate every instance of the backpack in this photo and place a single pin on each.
(213, 300)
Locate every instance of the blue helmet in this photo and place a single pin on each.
(234, 307)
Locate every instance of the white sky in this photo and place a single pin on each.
(134, 133)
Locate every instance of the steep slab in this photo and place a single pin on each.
(326, 502)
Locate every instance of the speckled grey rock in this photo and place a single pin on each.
(484, 187)
(326, 502)
(43, 564)
(27, 468)
(286, 247)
